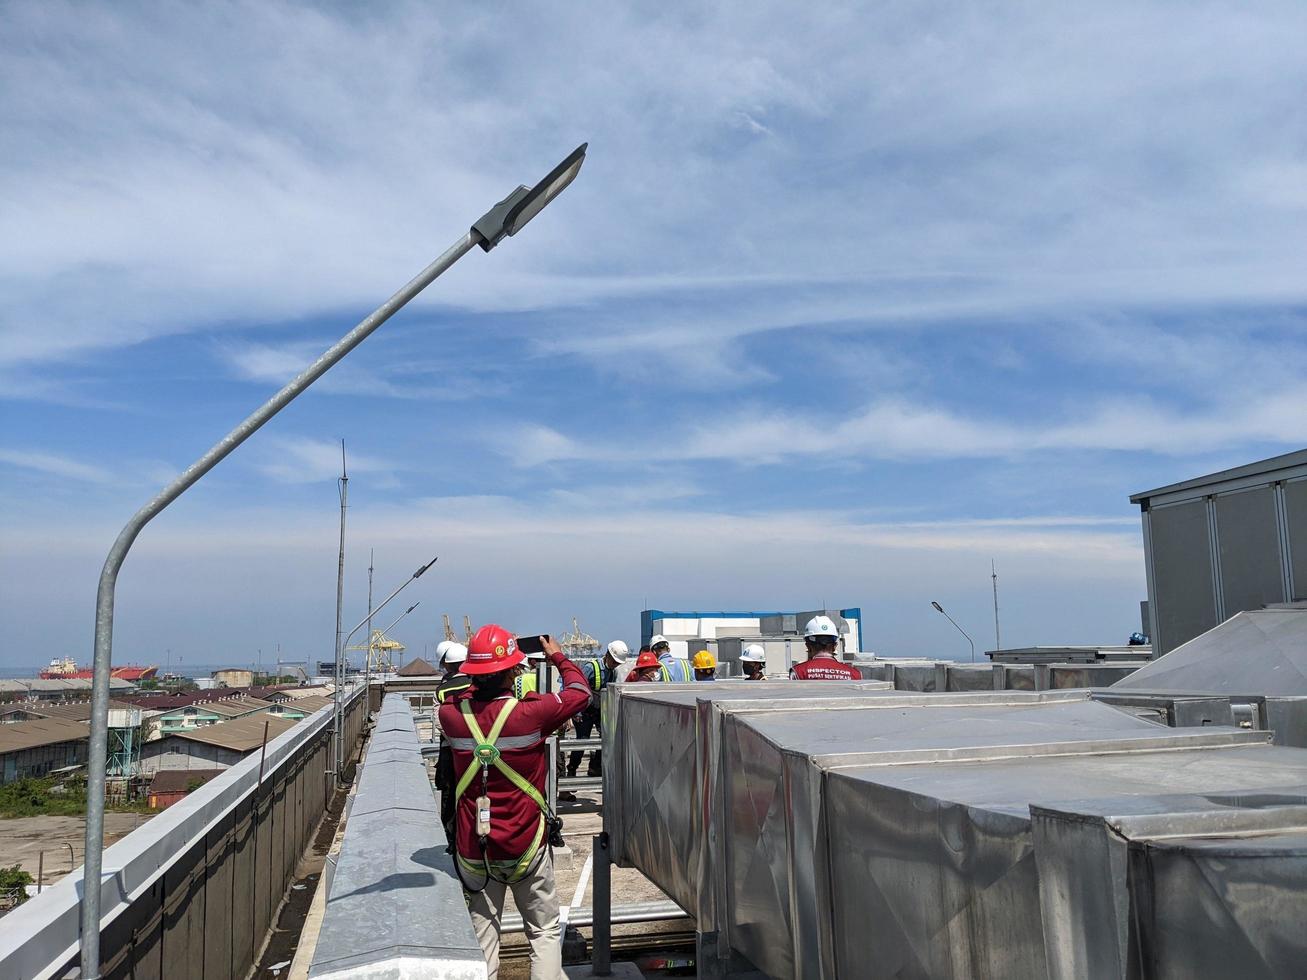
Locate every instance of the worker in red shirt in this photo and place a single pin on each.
(822, 638)
(502, 820)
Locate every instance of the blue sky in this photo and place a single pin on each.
(843, 305)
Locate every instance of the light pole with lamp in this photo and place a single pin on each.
(338, 695)
(505, 219)
(940, 609)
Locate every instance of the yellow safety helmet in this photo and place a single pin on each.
(703, 660)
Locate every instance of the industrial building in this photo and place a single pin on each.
(37, 748)
(213, 746)
(57, 689)
(201, 714)
(171, 786)
(1224, 543)
(725, 633)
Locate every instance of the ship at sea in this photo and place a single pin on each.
(65, 668)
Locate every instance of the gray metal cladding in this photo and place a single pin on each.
(1252, 572)
(1182, 572)
(815, 830)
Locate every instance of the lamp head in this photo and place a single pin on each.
(512, 214)
(938, 607)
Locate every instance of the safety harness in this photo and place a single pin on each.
(485, 754)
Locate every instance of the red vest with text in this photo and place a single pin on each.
(824, 669)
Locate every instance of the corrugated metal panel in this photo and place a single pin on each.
(1182, 564)
(1251, 570)
(1295, 501)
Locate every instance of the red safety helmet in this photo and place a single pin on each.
(491, 650)
(646, 659)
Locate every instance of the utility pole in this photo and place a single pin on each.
(339, 736)
(993, 575)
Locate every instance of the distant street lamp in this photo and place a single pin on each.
(338, 695)
(506, 218)
(940, 609)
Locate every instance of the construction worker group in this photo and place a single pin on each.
(493, 765)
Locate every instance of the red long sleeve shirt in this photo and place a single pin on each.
(514, 815)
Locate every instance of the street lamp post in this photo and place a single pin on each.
(505, 219)
(338, 695)
(940, 609)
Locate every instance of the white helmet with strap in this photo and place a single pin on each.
(754, 653)
(821, 626)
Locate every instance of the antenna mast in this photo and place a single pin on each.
(339, 740)
(993, 575)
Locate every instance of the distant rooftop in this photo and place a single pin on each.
(238, 734)
(44, 731)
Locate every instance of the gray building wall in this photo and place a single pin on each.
(1222, 544)
(41, 759)
(173, 752)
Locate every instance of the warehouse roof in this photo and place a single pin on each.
(74, 685)
(310, 705)
(239, 734)
(44, 731)
(417, 667)
(235, 707)
(70, 710)
(1263, 466)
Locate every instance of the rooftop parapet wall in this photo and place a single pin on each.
(394, 904)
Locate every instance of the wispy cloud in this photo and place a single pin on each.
(55, 465)
(293, 459)
(893, 429)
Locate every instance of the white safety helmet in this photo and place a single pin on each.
(754, 654)
(820, 626)
(619, 651)
(451, 652)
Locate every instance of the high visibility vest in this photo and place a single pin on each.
(484, 756)
(456, 687)
(524, 685)
(597, 674)
(675, 671)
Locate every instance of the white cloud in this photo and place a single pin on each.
(291, 459)
(895, 429)
(229, 163)
(53, 464)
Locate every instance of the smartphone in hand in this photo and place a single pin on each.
(532, 644)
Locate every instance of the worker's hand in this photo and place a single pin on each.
(550, 646)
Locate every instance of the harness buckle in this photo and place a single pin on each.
(486, 753)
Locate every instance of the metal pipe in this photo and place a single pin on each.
(40, 871)
(98, 749)
(601, 927)
(72, 856)
(667, 911)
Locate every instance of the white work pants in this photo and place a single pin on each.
(537, 900)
